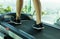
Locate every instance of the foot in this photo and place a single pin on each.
(38, 26)
(15, 21)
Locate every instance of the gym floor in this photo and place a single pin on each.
(47, 33)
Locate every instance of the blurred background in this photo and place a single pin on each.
(50, 10)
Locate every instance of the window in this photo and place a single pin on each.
(7, 6)
(52, 12)
(50, 9)
(10, 6)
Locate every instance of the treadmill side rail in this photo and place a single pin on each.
(20, 33)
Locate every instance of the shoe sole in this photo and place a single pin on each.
(14, 22)
(38, 28)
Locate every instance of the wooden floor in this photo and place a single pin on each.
(47, 33)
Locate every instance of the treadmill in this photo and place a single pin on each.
(12, 32)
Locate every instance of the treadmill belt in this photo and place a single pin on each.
(47, 33)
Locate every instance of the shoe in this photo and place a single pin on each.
(38, 26)
(15, 21)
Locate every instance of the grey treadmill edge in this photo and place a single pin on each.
(20, 33)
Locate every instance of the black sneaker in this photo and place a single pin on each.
(38, 26)
(15, 21)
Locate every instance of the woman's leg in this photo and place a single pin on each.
(19, 5)
(37, 6)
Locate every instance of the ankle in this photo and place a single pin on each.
(38, 23)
